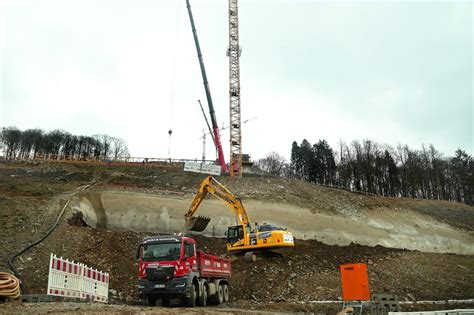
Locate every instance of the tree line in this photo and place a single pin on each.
(369, 167)
(59, 144)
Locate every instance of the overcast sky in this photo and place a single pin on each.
(397, 72)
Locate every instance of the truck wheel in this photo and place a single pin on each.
(191, 300)
(202, 299)
(151, 300)
(226, 292)
(219, 295)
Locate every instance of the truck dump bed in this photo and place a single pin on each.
(213, 266)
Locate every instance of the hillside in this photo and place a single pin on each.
(411, 246)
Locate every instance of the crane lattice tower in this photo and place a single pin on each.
(234, 53)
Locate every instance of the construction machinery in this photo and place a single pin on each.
(170, 267)
(233, 52)
(245, 157)
(212, 113)
(244, 237)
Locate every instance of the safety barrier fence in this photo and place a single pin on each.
(101, 159)
(76, 280)
(444, 312)
(164, 163)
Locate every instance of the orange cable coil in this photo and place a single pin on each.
(9, 286)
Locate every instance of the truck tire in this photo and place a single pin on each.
(225, 288)
(202, 299)
(151, 300)
(219, 299)
(191, 300)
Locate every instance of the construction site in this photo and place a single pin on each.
(85, 232)
(418, 250)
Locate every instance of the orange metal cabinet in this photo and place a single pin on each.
(355, 282)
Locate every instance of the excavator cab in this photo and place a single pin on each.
(235, 234)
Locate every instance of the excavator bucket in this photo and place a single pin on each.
(197, 224)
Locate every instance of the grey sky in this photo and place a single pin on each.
(394, 72)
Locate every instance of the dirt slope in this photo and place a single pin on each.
(31, 196)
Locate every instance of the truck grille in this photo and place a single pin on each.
(160, 273)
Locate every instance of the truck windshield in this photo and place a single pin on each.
(161, 251)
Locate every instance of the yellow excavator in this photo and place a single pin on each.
(243, 237)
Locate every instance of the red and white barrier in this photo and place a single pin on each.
(95, 285)
(72, 279)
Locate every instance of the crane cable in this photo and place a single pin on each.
(9, 286)
(173, 77)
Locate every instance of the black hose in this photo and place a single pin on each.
(12, 259)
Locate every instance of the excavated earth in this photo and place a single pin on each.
(418, 249)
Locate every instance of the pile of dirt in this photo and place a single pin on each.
(77, 219)
(306, 273)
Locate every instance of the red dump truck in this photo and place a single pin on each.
(170, 267)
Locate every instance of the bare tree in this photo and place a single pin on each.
(103, 145)
(11, 138)
(106, 145)
(273, 163)
(119, 148)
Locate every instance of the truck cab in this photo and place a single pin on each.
(167, 265)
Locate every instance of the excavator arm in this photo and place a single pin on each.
(211, 186)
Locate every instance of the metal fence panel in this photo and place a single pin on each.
(71, 279)
(95, 285)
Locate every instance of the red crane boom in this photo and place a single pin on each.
(215, 128)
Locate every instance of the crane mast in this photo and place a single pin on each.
(233, 52)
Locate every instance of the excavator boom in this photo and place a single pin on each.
(211, 186)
